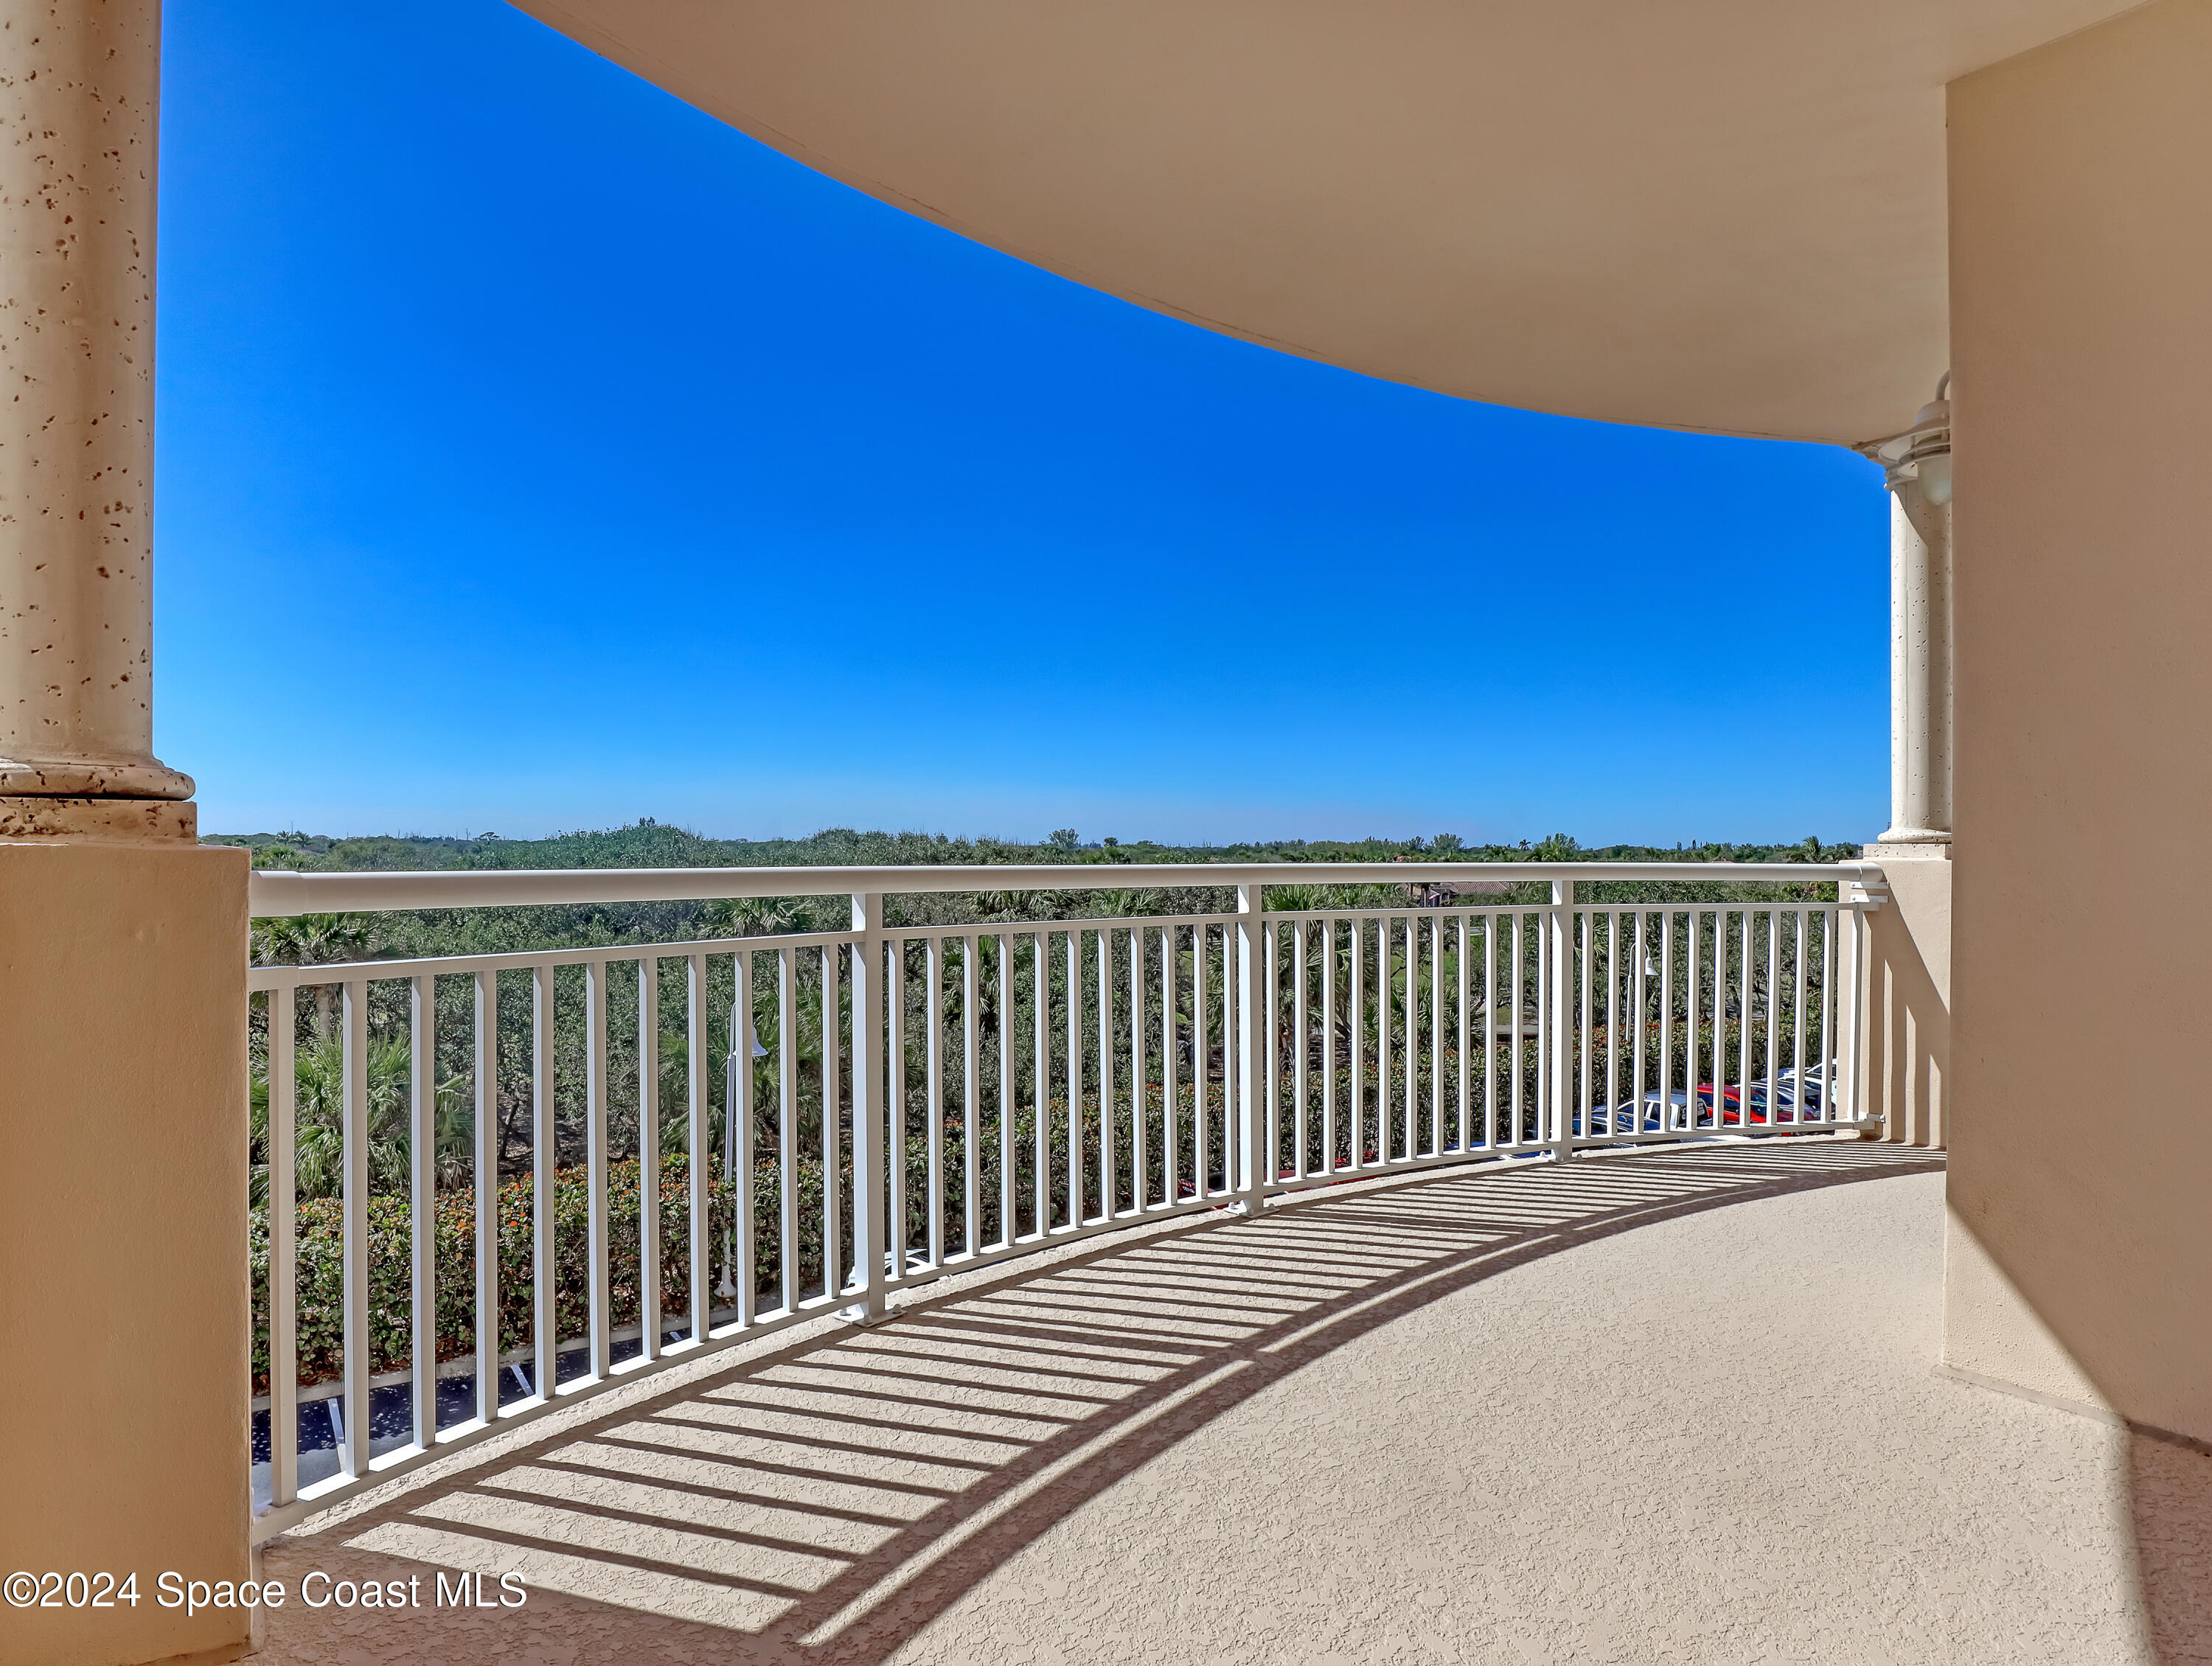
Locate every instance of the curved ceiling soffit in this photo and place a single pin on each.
(1731, 222)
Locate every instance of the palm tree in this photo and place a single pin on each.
(315, 940)
(318, 1121)
(756, 917)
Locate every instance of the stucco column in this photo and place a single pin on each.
(124, 1312)
(79, 81)
(1917, 470)
(1908, 1062)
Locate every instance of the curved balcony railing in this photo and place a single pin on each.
(814, 1121)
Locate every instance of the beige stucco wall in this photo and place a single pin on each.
(2080, 1178)
(122, 1310)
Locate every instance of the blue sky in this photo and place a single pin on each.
(537, 454)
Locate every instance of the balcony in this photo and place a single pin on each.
(863, 1112)
(1553, 1277)
(1665, 1405)
(1510, 1273)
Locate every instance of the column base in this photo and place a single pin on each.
(1909, 844)
(1909, 984)
(141, 777)
(99, 821)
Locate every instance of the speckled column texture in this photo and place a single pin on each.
(80, 84)
(1678, 1408)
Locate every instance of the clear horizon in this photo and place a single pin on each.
(537, 454)
(1087, 839)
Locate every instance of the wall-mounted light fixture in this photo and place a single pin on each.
(1922, 453)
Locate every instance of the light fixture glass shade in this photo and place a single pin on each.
(1935, 478)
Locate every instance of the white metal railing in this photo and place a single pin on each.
(901, 1102)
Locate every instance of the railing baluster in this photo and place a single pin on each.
(833, 1182)
(599, 1299)
(1140, 1171)
(1743, 1022)
(971, 950)
(1230, 1037)
(545, 1157)
(786, 1126)
(698, 1112)
(1410, 1037)
(1386, 1108)
(1582, 933)
(1039, 1079)
(1773, 991)
(1170, 1067)
(1638, 996)
(1516, 952)
(1666, 1119)
(1857, 1094)
(648, 1156)
(899, 1231)
(1612, 1090)
(1618, 921)
(1798, 944)
(1299, 1028)
(353, 1454)
(869, 1236)
(1830, 1110)
(1699, 1054)
(1074, 1077)
(1436, 1034)
(1722, 1058)
(1559, 933)
(1490, 933)
(422, 1203)
(1328, 1045)
(1383, 1106)
(1412, 1034)
(741, 1273)
(1251, 1055)
(1006, 1234)
(284, 1249)
(1107, 1175)
(1706, 1050)
(487, 1154)
(1459, 1013)
(1268, 1017)
(1201, 1066)
(932, 1064)
(1356, 1012)
(1542, 975)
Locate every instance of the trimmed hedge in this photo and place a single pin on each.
(320, 1241)
(320, 1262)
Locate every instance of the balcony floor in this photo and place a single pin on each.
(1680, 1407)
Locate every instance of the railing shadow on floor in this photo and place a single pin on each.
(831, 1498)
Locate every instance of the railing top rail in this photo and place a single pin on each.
(276, 894)
(320, 973)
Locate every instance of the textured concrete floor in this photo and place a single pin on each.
(1676, 1408)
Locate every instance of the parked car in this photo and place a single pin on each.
(1794, 1098)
